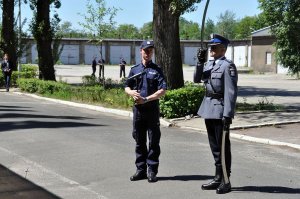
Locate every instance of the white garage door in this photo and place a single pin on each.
(118, 52)
(240, 56)
(70, 54)
(34, 54)
(91, 51)
(281, 69)
(190, 55)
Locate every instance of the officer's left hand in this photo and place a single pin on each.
(227, 121)
(139, 100)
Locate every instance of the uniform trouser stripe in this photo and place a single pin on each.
(223, 160)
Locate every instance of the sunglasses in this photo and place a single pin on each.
(214, 47)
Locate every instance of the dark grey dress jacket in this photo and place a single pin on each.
(220, 78)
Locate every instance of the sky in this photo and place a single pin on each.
(138, 12)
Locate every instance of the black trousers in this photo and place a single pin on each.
(7, 77)
(215, 132)
(101, 70)
(146, 121)
(122, 71)
(94, 70)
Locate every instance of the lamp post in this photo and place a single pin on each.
(19, 41)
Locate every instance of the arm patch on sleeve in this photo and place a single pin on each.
(232, 70)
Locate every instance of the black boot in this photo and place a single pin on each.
(224, 187)
(139, 175)
(215, 183)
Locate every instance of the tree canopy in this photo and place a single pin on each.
(284, 19)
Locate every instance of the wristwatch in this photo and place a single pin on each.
(145, 99)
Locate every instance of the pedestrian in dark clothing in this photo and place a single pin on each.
(122, 67)
(94, 64)
(220, 79)
(7, 67)
(101, 67)
(146, 84)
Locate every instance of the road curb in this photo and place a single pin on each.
(253, 139)
(163, 122)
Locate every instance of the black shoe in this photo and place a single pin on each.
(214, 184)
(152, 177)
(223, 188)
(7, 89)
(139, 175)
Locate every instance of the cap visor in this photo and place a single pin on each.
(149, 46)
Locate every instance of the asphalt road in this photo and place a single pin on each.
(74, 153)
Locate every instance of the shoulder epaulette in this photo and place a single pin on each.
(135, 65)
(228, 60)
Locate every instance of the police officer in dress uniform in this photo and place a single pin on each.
(220, 79)
(146, 84)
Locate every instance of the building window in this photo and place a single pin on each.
(268, 58)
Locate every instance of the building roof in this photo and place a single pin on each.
(262, 32)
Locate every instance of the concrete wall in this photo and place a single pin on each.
(238, 51)
(82, 51)
(261, 46)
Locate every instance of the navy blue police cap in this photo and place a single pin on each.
(147, 44)
(218, 39)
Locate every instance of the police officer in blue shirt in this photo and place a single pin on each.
(220, 79)
(146, 84)
(122, 67)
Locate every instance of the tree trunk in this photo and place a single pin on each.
(167, 43)
(44, 40)
(9, 42)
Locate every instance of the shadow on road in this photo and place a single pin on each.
(268, 189)
(14, 108)
(249, 91)
(186, 177)
(14, 186)
(20, 115)
(33, 124)
(8, 126)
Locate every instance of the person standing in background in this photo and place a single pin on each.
(6, 67)
(94, 64)
(122, 67)
(101, 67)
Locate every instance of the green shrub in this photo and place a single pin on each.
(176, 103)
(27, 71)
(89, 80)
(115, 97)
(28, 85)
(181, 102)
(108, 83)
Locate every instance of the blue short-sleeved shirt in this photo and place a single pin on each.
(148, 83)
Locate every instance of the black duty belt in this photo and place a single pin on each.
(214, 95)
